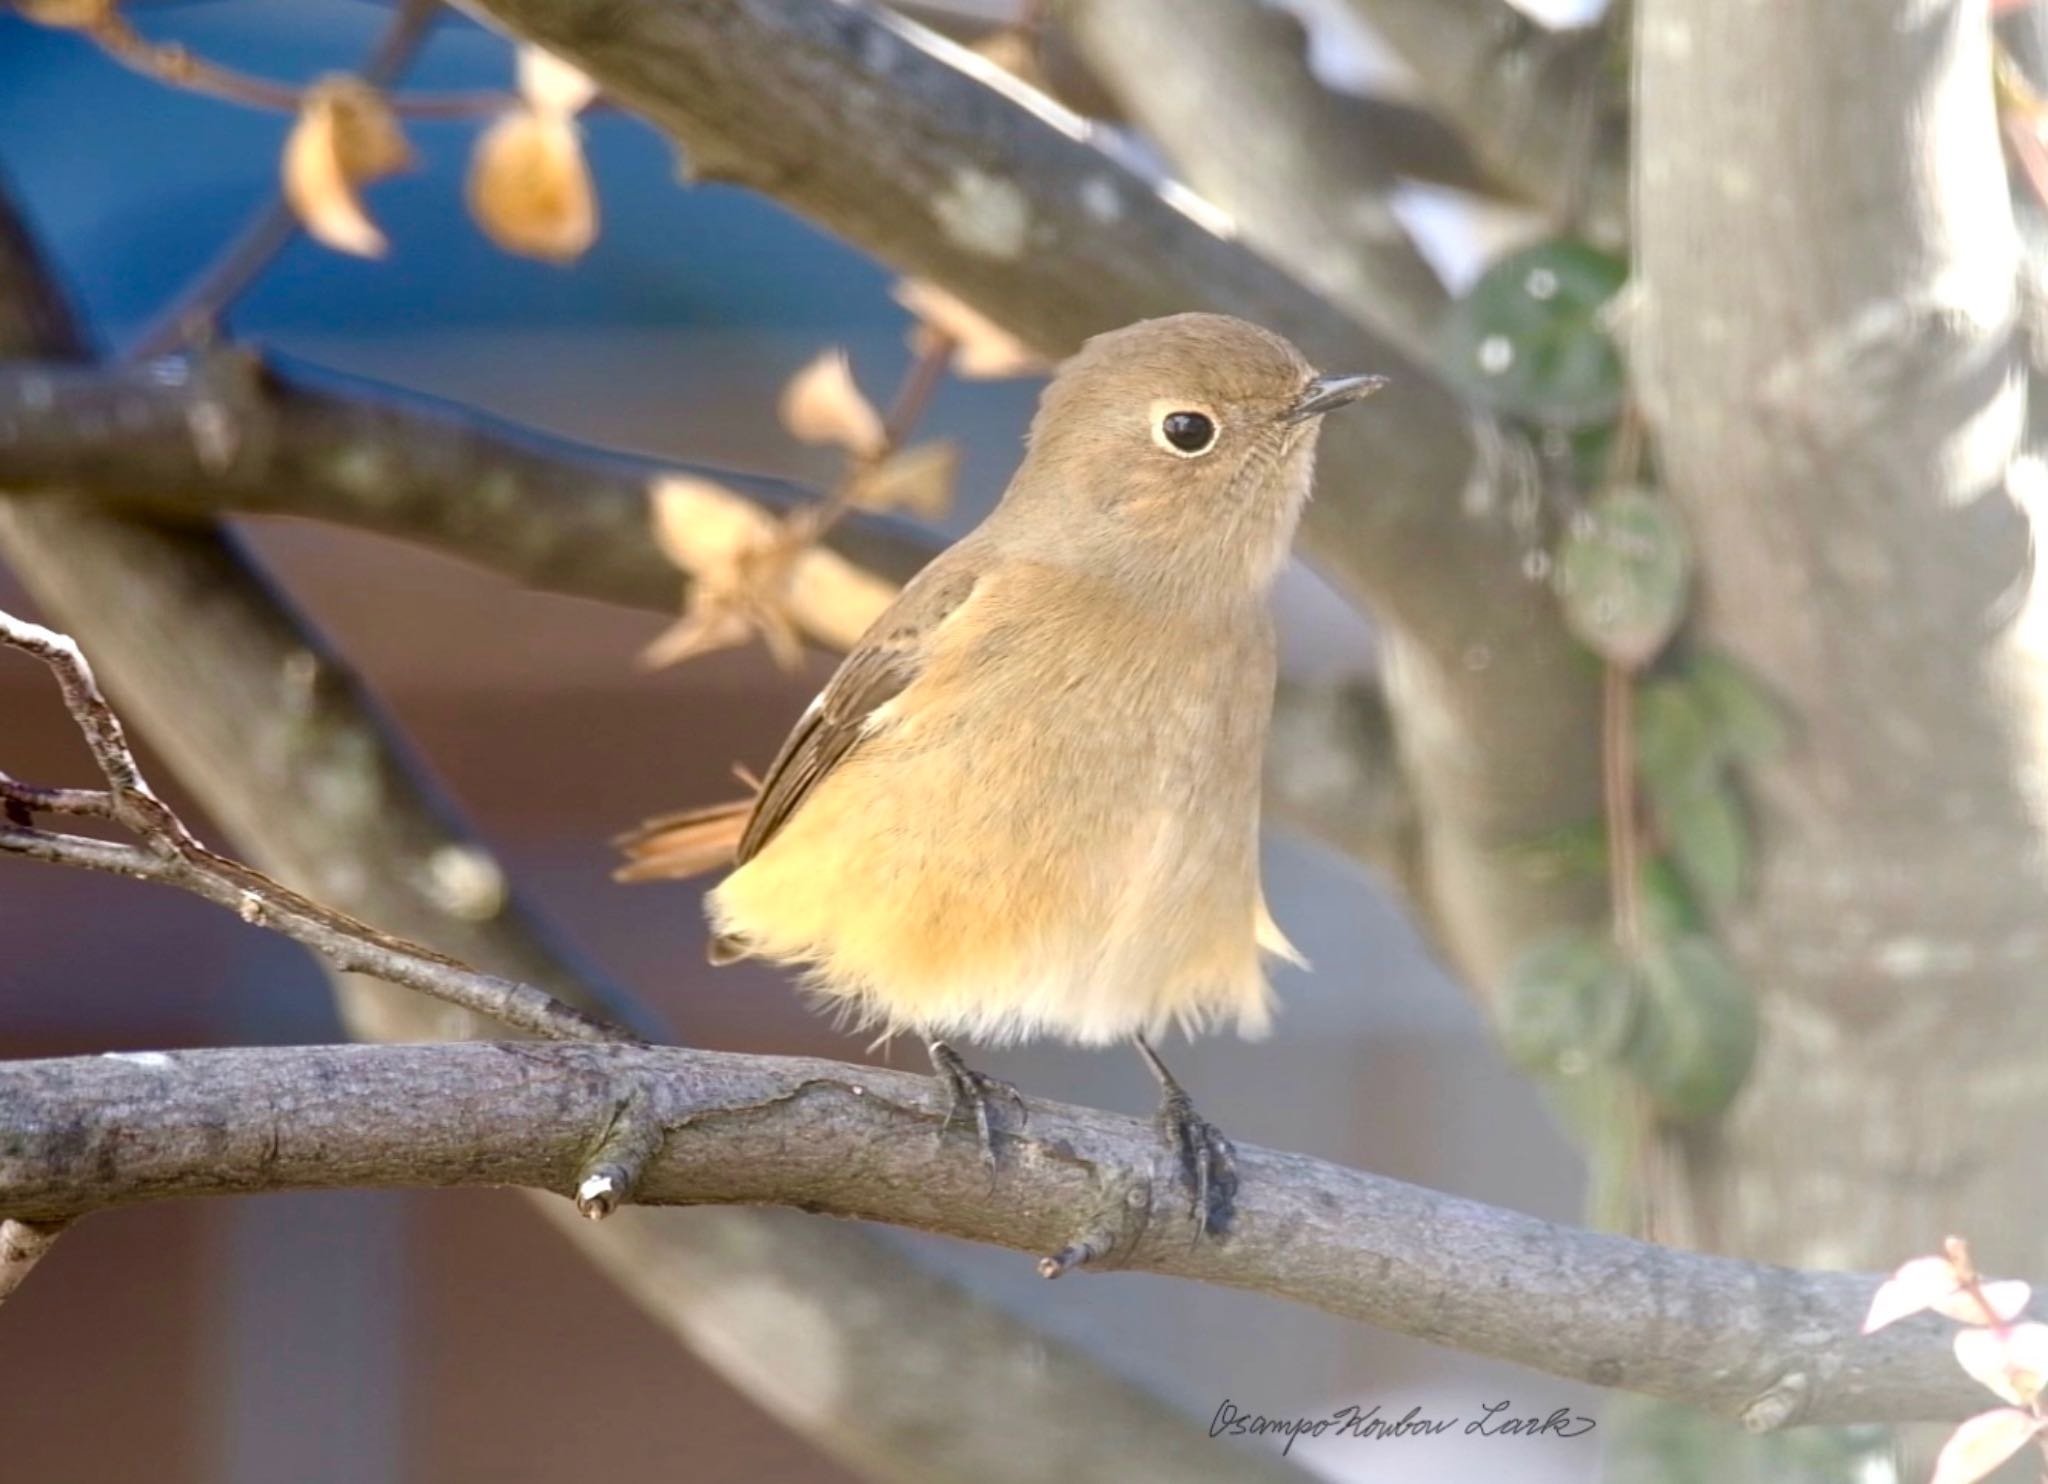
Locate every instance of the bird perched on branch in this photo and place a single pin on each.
(1027, 804)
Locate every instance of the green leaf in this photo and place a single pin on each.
(1529, 337)
(1696, 1032)
(1622, 575)
(1747, 722)
(1567, 1004)
(1677, 754)
(1711, 840)
(1668, 908)
(1569, 852)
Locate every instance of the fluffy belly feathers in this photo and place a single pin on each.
(1030, 882)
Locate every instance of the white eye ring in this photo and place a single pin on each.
(1187, 430)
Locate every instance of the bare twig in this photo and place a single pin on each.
(100, 1132)
(172, 854)
(191, 317)
(172, 63)
(906, 409)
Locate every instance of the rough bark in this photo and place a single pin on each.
(1247, 124)
(1542, 109)
(1766, 1345)
(1827, 345)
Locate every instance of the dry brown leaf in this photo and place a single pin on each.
(822, 404)
(920, 480)
(738, 557)
(703, 629)
(530, 187)
(67, 15)
(982, 349)
(551, 85)
(1016, 53)
(703, 526)
(753, 573)
(346, 137)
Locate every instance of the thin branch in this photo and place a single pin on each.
(1248, 124)
(1412, 141)
(1734, 1337)
(179, 67)
(197, 310)
(1545, 110)
(170, 853)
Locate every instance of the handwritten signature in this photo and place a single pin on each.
(1495, 1420)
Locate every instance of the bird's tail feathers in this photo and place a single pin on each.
(686, 843)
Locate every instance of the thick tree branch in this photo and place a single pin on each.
(1249, 126)
(288, 753)
(1827, 346)
(1411, 140)
(231, 434)
(1545, 110)
(1766, 1345)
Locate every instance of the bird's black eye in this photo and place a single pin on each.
(1188, 433)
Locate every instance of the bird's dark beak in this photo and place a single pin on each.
(1328, 393)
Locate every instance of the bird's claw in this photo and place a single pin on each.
(969, 1097)
(1207, 1162)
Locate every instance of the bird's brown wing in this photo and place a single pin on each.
(887, 659)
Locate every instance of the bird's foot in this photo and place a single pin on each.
(1205, 1159)
(1207, 1162)
(971, 1095)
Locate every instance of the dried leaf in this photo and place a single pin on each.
(66, 15)
(1016, 53)
(530, 187)
(920, 480)
(1917, 1285)
(703, 526)
(982, 349)
(552, 86)
(2013, 1362)
(346, 137)
(700, 630)
(753, 570)
(822, 404)
(1982, 1444)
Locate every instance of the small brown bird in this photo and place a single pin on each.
(1027, 804)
